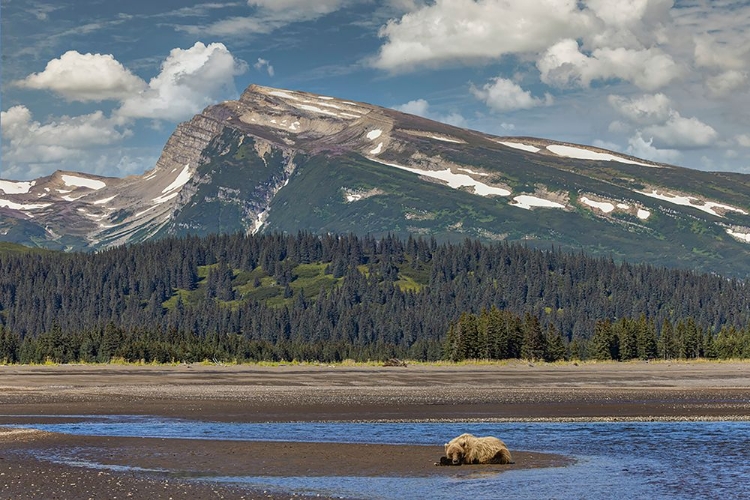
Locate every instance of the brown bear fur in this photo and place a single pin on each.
(469, 449)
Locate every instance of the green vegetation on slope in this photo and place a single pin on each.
(330, 297)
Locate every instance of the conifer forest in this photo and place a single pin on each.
(309, 298)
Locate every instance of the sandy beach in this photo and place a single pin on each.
(515, 391)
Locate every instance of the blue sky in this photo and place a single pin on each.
(98, 86)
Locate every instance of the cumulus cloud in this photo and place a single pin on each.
(611, 146)
(417, 107)
(264, 63)
(743, 140)
(712, 53)
(501, 94)
(564, 65)
(451, 31)
(190, 79)
(421, 107)
(681, 132)
(725, 83)
(85, 77)
(65, 137)
(630, 13)
(661, 122)
(645, 110)
(641, 148)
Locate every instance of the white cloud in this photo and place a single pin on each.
(190, 79)
(62, 138)
(630, 13)
(611, 146)
(656, 119)
(269, 16)
(743, 140)
(640, 148)
(681, 132)
(646, 110)
(502, 95)
(564, 65)
(727, 82)
(235, 26)
(299, 8)
(417, 107)
(264, 63)
(421, 107)
(460, 31)
(712, 53)
(85, 77)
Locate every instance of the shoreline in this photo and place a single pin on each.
(41, 464)
(512, 392)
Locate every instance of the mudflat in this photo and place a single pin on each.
(247, 393)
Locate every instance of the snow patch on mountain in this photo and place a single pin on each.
(72, 198)
(182, 178)
(162, 199)
(745, 237)
(587, 154)
(315, 109)
(603, 206)
(327, 104)
(104, 200)
(520, 145)
(16, 187)
(282, 94)
(483, 174)
(447, 139)
(21, 206)
(374, 134)
(528, 202)
(691, 201)
(453, 180)
(352, 195)
(74, 180)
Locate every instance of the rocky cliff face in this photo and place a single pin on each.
(288, 160)
(83, 211)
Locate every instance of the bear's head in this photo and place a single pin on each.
(456, 451)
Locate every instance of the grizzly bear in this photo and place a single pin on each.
(469, 449)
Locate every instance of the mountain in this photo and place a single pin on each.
(282, 160)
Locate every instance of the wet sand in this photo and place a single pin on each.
(512, 391)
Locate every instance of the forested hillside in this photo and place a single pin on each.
(328, 298)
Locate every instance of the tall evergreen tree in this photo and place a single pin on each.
(534, 343)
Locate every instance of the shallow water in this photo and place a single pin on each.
(685, 460)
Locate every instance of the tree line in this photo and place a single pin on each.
(495, 334)
(491, 335)
(386, 298)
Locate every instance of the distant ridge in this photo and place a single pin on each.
(287, 160)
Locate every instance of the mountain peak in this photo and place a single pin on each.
(288, 160)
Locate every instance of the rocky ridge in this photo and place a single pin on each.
(289, 160)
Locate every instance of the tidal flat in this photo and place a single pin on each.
(246, 431)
